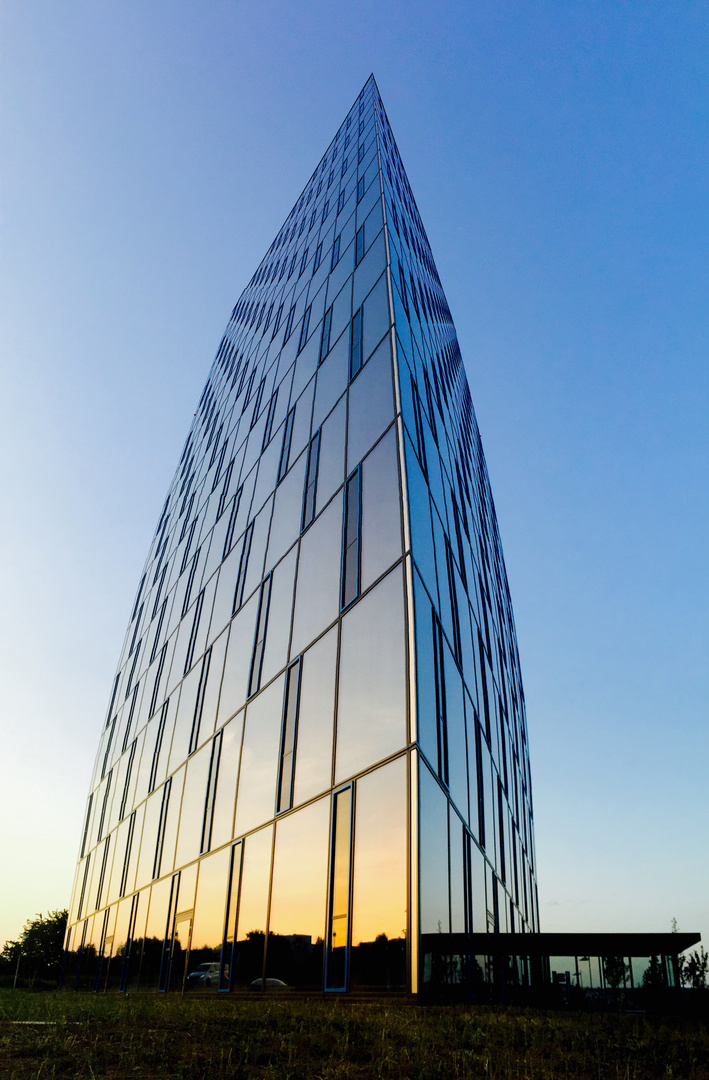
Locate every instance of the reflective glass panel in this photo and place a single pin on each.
(256, 796)
(379, 885)
(208, 926)
(298, 896)
(252, 913)
(381, 510)
(433, 856)
(371, 405)
(223, 818)
(316, 718)
(318, 591)
(372, 695)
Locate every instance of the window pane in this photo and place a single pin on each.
(371, 405)
(297, 923)
(372, 697)
(238, 660)
(192, 816)
(275, 654)
(331, 462)
(208, 927)
(223, 820)
(381, 514)
(313, 767)
(318, 591)
(253, 903)
(256, 796)
(433, 856)
(379, 890)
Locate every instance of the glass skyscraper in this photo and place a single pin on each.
(314, 767)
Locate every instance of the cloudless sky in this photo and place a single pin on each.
(558, 154)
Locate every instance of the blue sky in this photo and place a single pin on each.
(558, 154)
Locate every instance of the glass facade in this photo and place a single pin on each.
(314, 761)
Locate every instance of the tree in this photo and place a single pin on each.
(653, 977)
(39, 947)
(694, 969)
(614, 971)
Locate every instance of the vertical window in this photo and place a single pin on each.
(277, 323)
(243, 565)
(266, 431)
(104, 805)
(325, 210)
(83, 886)
(450, 566)
(158, 746)
(199, 704)
(304, 328)
(340, 888)
(420, 437)
(136, 654)
(158, 630)
(231, 916)
(188, 544)
(356, 344)
(502, 821)
(331, 177)
(257, 402)
(318, 256)
(131, 711)
(402, 288)
(229, 538)
(135, 631)
(350, 542)
(193, 633)
(481, 784)
(344, 167)
(86, 826)
(360, 189)
(325, 339)
(108, 747)
(360, 154)
(441, 717)
(289, 324)
(115, 691)
(285, 449)
(311, 481)
(359, 245)
(156, 685)
(335, 253)
(126, 855)
(126, 786)
(260, 640)
(289, 734)
(303, 262)
(161, 827)
(206, 841)
(190, 582)
(361, 126)
(225, 490)
(341, 202)
(102, 874)
(292, 263)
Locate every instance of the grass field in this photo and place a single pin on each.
(64, 1035)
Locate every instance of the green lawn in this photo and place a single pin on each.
(77, 1036)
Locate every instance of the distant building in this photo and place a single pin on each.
(314, 767)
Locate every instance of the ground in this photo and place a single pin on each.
(46, 1035)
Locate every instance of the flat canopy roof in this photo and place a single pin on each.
(578, 944)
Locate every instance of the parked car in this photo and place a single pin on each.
(267, 984)
(203, 976)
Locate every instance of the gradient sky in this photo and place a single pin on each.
(558, 154)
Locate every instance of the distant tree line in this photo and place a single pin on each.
(35, 959)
